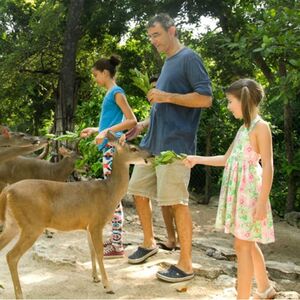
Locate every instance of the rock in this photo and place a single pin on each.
(287, 270)
(293, 218)
(195, 197)
(215, 254)
(129, 218)
(217, 248)
(226, 281)
(209, 272)
(287, 295)
(214, 201)
(284, 285)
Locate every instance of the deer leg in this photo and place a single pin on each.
(93, 258)
(96, 236)
(26, 240)
(10, 230)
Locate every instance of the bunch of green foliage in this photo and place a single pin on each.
(168, 157)
(68, 136)
(140, 80)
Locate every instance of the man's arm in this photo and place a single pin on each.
(194, 99)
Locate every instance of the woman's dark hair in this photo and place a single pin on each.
(107, 64)
(250, 93)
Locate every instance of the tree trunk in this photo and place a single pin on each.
(291, 196)
(289, 147)
(67, 100)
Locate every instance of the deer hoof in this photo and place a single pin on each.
(111, 292)
(96, 279)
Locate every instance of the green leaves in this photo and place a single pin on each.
(168, 157)
(69, 136)
(140, 80)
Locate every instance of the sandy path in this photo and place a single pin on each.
(59, 268)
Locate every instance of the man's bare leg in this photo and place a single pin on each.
(168, 215)
(183, 221)
(144, 210)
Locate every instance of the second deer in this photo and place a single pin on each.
(20, 168)
(29, 206)
(13, 144)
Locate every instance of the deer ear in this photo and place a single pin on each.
(111, 136)
(5, 132)
(62, 151)
(122, 140)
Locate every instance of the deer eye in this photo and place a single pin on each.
(133, 149)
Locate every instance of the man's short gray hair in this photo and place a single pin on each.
(163, 19)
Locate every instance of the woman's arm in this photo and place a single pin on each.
(86, 132)
(130, 119)
(128, 123)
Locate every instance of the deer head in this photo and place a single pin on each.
(8, 138)
(126, 152)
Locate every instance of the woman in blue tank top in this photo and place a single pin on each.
(116, 115)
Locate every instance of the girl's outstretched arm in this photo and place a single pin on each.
(86, 132)
(217, 161)
(265, 149)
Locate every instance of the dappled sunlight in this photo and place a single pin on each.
(145, 273)
(36, 277)
(141, 272)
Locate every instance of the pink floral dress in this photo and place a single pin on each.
(241, 185)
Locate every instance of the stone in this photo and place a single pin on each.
(293, 218)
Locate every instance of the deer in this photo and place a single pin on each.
(20, 168)
(29, 206)
(13, 144)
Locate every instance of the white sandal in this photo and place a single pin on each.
(269, 293)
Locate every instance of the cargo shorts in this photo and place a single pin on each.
(167, 184)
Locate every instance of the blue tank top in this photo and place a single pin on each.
(111, 114)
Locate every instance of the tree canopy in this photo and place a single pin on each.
(47, 49)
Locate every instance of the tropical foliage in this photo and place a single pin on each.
(47, 49)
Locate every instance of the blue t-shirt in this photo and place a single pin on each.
(174, 127)
(111, 114)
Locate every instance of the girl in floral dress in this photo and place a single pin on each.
(244, 207)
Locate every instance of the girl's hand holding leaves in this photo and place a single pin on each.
(68, 136)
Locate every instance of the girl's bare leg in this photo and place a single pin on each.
(245, 268)
(260, 271)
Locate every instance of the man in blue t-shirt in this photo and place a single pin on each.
(182, 89)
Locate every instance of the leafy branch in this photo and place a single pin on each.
(168, 157)
(140, 80)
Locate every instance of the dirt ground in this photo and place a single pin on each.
(59, 267)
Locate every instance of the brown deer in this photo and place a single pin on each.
(13, 144)
(30, 206)
(20, 168)
(8, 138)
